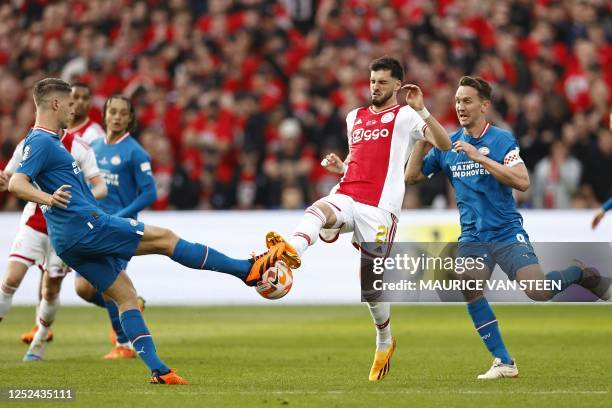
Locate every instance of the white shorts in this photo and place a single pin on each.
(367, 223)
(32, 247)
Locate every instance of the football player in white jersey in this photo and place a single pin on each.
(368, 199)
(82, 125)
(32, 245)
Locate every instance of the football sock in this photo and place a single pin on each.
(46, 316)
(307, 231)
(565, 277)
(97, 299)
(113, 314)
(136, 330)
(381, 313)
(198, 256)
(486, 325)
(6, 299)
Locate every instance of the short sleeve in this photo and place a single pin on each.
(86, 158)
(512, 155)
(411, 123)
(431, 162)
(34, 156)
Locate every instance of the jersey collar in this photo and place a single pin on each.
(81, 126)
(45, 130)
(486, 128)
(121, 139)
(382, 111)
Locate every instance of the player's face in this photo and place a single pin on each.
(82, 102)
(117, 116)
(469, 106)
(382, 87)
(65, 110)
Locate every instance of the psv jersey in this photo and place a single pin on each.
(380, 144)
(32, 216)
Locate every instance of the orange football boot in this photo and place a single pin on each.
(262, 262)
(120, 352)
(170, 378)
(29, 336)
(291, 256)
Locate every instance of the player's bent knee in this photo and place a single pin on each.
(331, 220)
(84, 289)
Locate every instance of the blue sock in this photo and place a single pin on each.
(136, 330)
(113, 314)
(98, 300)
(486, 325)
(565, 277)
(199, 256)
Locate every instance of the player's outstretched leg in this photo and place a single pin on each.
(47, 309)
(385, 343)
(321, 214)
(156, 240)
(123, 293)
(587, 277)
(487, 327)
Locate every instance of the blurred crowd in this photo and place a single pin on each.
(238, 100)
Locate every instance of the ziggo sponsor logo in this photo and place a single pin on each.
(370, 134)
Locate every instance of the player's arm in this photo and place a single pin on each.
(435, 132)
(86, 158)
(20, 186)
(601, 213)
(414, 169)
(98, 187)
(147, 192)
(513, 174)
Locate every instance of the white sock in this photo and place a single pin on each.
(307, 231)
(6, 299)
(381, 313)
(46, 316)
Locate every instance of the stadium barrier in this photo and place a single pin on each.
(329, 273)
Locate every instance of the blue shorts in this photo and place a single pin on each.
(511, 254)
(105, 251)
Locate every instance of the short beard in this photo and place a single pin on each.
(383, 100)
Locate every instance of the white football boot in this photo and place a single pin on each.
(500, 370)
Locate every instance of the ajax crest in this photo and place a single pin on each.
(387, 117)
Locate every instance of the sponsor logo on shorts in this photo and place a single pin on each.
(133, 222)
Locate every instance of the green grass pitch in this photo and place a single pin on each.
(296, 356)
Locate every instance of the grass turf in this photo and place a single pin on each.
(320, 356)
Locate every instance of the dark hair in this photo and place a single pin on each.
(81, 85)
(482, 86)
(47, 86)
(389, 64)
(132, 124)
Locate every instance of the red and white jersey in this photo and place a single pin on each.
(86, 159)
(380, 144)
(88, 131)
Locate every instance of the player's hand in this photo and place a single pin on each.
(597, 218)
(61, 197)
(468, 149)
(414, 97)
(333, 164)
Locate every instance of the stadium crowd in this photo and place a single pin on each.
(238, 100)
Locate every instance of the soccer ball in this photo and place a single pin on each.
(276, 281)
